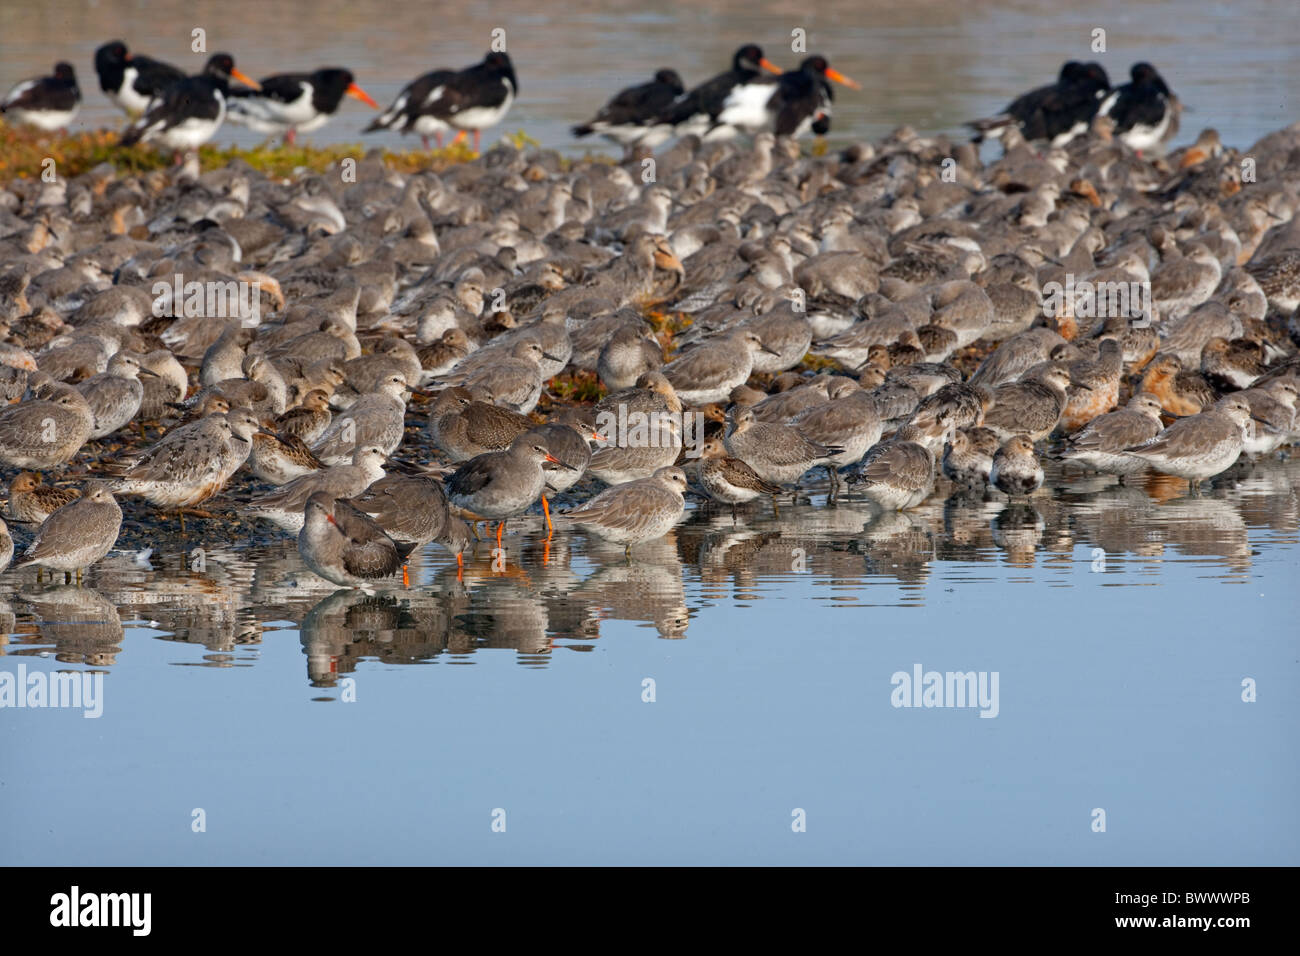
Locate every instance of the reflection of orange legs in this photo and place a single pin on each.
(406, 577)
(546, 509)
(546, 547)
(500, 528)
(460, 566)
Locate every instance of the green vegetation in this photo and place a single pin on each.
(23, 151)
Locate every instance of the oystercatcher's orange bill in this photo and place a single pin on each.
(355, 91)
(245, 78)
(838, 77)
(768, 65)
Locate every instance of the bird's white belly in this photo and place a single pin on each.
(481, 117)
(126, 97)
(746, 107)
(48, 120)
(1148, 137)
(190, 133)
(428, 125)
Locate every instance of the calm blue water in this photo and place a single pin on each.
(1118, 689)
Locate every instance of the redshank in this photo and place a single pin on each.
(413, 509)
(344, 545)
(500, 485)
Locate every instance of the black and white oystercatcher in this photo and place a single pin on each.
(697, 111)
(410, 112)
(629, 119)
(189, 113)
(130, 80)
(47, 102)
(1057, 112)
(470, 100)
(787, 105)
(292, 103)
(1144, 111)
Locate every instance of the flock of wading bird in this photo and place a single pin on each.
(878, 313)
(180, 112)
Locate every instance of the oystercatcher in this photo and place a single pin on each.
(1143, 109)
(789, 105)
(469, 100)
(629, 118)
(1057, 112)
(409, 113)
(477, 97)
(189, 113)
(131, 81)
(292, 103)
(697, 111)
(47, 102)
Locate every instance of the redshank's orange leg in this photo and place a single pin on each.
(477, 135)
(546, 509)
(459, 136)
(500, 528)
(460, 566)
(406, 577)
